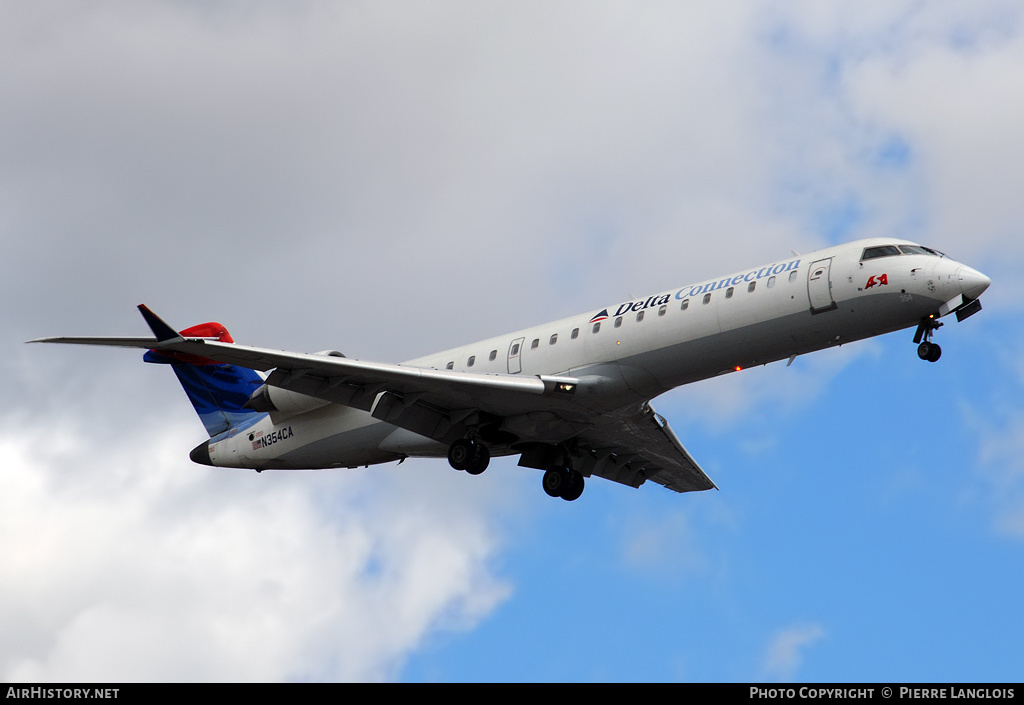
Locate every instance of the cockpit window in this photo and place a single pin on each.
(918, 250)
(882, 251)
(893, 250)
(913, 250)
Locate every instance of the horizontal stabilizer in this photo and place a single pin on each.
(217, 390)
(143, 343)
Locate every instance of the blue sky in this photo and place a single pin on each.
(391, 179)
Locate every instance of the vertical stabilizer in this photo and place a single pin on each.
(217, 391)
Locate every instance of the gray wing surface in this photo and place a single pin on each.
(438, 404)
(628, 446)
(634, 445)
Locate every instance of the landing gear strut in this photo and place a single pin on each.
(927, 350)
(563, 482)
(468, 455)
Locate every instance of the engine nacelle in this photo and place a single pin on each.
(282, 401)
(285, 402)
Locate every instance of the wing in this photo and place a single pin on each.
(634, 445)
(439, 404)
(627, 446)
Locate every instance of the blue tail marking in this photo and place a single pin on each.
(217, 391)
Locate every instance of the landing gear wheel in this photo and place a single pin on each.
(481, 458)
(468, 455)
(555, 481)
(461, 453)
(573, 491)
(929, 351)
(563, 482)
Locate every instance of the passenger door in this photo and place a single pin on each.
(515, 352)
(819, 286)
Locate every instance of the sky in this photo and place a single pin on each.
(389, 179)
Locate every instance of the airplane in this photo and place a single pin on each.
(571, 398)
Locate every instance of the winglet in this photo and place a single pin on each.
(160, 329)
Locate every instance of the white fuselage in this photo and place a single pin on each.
(636, 350)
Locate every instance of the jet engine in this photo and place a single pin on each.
(285, 403)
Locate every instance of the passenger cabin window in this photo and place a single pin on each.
(707, 298)
(639, 316)
(450, 365)
(494, 354)
(554, 339)
(729, 292)
(471, 361)
(663, 310)
(535, 344)
(515, 350)
(751, 286)
(792, 276)
(597, 326)
(771, 282)
(575, 333)
(685, 305)
(618, 321)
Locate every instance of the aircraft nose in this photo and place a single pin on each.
(972, 282)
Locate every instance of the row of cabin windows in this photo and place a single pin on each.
(515, 349)
(662, 310)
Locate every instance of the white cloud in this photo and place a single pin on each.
(719, 402)
(660, 544)
(949, 100)
(785, 653)
(128, 563)
(1000, 463)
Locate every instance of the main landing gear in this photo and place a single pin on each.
(468, 455)
(927, 350)
(563, 482)
(473, 457)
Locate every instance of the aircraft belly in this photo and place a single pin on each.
(352, 448)
(793, 333)
(402, 442)
(333, 436)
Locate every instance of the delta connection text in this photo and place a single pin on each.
(689, 291)
(909, 692)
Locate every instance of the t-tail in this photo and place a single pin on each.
(217, 391)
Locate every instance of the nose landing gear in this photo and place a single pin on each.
(927, 350)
